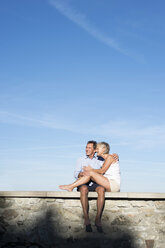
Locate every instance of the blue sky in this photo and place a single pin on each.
(71, 71)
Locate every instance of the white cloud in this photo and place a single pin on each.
(133, 132)
(125, 132)
(42, 148)
(20, 119)
(144, 162)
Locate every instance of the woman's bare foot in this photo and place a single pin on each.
(66, 187)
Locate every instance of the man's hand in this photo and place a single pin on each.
(86, 173)
(115, 156)
(81, 174)
(87, 168)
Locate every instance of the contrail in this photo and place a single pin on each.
(81, 20)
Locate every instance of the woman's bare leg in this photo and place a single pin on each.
(78, 182)
(101, 180)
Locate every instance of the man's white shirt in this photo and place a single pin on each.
(85, 161)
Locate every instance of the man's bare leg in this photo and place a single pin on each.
(100, 204)
(84, 202)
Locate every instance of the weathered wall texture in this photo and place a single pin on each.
(58, 222)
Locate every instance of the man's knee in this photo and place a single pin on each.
(83, 190)
(100, 190)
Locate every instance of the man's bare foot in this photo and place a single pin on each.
(98, 225)
(88, 228)
(98, 222)
(66, 187)
(87, 222)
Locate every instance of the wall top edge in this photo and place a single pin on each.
(70, 195)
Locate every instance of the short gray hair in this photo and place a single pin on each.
(106, 146)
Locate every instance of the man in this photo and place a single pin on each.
(96, 163)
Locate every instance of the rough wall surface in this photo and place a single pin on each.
(58, 222)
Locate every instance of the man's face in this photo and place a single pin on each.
(90, 150)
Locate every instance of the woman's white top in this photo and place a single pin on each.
(113, 172)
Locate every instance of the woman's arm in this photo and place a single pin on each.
(109, 160)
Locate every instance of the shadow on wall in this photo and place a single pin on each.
(47, 230)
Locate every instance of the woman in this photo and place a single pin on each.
(107, 176)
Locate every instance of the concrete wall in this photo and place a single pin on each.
(54, 219)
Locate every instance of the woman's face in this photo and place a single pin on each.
(99, 150)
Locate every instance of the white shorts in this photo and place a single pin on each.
(114, 186)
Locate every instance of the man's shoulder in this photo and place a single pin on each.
(81, 158)
(97, 158)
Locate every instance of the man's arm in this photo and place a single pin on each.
(78, 170)
(115, 156)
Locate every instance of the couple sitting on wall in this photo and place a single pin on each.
(95, 173)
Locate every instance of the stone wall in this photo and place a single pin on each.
(54, 219)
